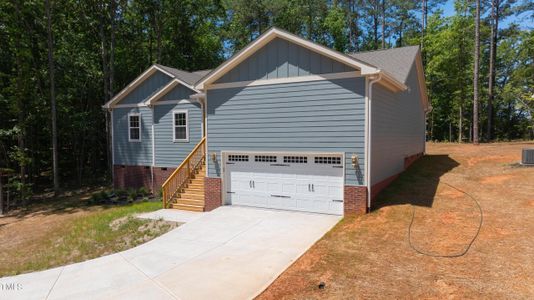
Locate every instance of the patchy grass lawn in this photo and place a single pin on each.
(370, 256)
(61, 231)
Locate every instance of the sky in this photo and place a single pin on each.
(524, 20)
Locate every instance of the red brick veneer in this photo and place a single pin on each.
(212, 193)
(140, 176)
(355, 200)
(131, 176)
(160, 176)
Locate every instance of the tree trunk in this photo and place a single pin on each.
(353, 25)
(460, 123)
(310, 20)
(492, 60)
(113, 15)
(475, 73)
(375, 31)
(424, 12)
(55, 167)
(104, 51)
(1, 196)
(383, 13)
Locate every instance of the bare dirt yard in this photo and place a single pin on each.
(370, 256)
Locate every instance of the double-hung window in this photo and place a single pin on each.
(180, 126)
(134, 127)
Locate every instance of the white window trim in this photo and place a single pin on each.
(174, 139)
(129, 127)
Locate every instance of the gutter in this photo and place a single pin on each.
(369, 138)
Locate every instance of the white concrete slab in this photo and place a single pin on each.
(230, 253)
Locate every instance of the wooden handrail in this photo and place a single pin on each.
(183, 173)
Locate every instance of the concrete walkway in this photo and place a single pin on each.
(229, 253)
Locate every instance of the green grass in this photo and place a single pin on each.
(101, 232)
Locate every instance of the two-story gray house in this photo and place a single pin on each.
(285, 124)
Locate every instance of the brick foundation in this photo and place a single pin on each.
(160, 175)
(126, 177)
(212, 193)
(131, 177)
(355, 200)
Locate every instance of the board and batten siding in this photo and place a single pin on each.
(317, 116)
(146, 88)
(132, 153)
(281, 59)
(398, 128)
(168, 152)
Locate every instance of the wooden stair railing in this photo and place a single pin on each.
(182, 175)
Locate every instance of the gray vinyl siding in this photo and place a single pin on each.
(318, 116)
(398, 128)
(179, 92)
(168, 152)
(132, 153)
(282, 59)
(147, 88)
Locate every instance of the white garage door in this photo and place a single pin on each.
(303, 182)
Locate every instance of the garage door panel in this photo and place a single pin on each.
(289, 188)
(282, 203)
(293, 181)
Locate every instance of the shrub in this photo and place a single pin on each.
(103, 195)
(121, 193)
(143, 191)
(132, 194)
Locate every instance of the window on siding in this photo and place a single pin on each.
(134, 127)
(181, 126)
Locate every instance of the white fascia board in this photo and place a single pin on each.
(161, 92)
(173, 83)
(269, 36)
(131, 86)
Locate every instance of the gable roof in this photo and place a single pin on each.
(185, 78)
(189, 77)
(398, 62)
(363, 67)
(395, 61)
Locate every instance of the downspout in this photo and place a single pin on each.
(369, 138)
(202, 99)
(112, 128)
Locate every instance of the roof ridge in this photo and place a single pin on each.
(379, 50)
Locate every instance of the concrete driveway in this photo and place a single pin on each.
(229, 253)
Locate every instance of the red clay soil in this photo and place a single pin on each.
(370, 256)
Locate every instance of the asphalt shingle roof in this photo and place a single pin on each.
(188, 77)
(396, 61)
